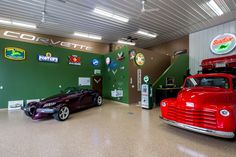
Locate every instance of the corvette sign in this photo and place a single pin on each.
(43, 40)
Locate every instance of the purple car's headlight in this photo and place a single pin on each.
(49, 104)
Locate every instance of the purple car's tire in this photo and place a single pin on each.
(31, 112)
(27, 114)
(62, 114)
(99, 100)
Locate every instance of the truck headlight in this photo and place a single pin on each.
(49, 104)
(163, 104)
(224, 113)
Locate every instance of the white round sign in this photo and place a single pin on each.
(108, 60)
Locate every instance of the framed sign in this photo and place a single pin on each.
(15, 105)
(14, 53)
(84, 81)
(223, 44)
(47, 58)
(74, 60)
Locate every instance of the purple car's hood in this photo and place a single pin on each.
(53, 98)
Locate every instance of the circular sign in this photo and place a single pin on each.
(223, 44)
(108, 60)
(139, 59)
(146, 79)
(132, 54)
(113, 65)
(95, 62)
(48, 54)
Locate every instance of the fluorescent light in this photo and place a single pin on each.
(91, 36)
(102, 12)
(212, 4)
(111, 15)
(21, 24)
(95, 37)
(123, 19)
(147, 33)
(126, 42)
(81, 34)
(5, 21)
(17, 23)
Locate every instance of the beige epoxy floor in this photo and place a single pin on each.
(112, 130)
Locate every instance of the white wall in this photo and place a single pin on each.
(199, 44)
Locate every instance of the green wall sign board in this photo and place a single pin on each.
(116, 79)
(223, 44)
(32, 79)
(14, 53)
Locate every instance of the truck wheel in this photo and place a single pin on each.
(62, 114)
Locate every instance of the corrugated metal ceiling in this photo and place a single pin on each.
(174, 19)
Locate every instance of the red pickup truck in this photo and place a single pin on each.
(207, 102)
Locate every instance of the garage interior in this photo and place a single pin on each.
(117, 78)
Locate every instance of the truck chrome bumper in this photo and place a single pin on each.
(205, 131)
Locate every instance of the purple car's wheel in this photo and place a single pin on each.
(62, 114)
(99, 101)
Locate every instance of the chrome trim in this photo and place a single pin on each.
(45, 110)
(205, 131)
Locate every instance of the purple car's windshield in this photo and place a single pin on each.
(220, 82)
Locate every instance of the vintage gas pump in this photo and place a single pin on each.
(146, 94)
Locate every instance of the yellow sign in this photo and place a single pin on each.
(14, 53)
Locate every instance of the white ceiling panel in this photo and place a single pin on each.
(171, 19)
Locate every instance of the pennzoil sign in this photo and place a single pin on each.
(223, 44)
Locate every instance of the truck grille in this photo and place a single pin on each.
(201, 118)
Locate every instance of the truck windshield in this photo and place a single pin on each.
(220, 82)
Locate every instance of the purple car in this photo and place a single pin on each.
(61, 105)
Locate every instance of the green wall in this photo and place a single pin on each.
(177, 70)
(118, 80)
(31, 79)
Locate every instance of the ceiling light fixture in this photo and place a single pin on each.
(5, 21)
(212, 4)
(22, 24)
(17, 23)
(84, 35)
(126, 42)
(147, 33)
(111, 15)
